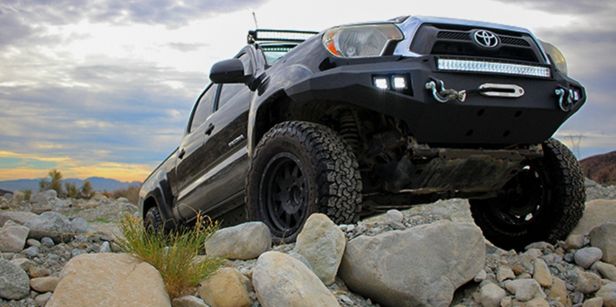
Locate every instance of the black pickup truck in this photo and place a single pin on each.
(362, 118)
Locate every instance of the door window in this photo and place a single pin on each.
(204, 107)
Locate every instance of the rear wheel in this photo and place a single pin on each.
(300, 168)
(153, 221)
(543, 202)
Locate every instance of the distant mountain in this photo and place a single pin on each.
(600, 168)
(98, 184)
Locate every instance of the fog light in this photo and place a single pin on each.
(381, 83)
(399, 82)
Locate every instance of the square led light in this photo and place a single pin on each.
(381, 83)
(399, 82)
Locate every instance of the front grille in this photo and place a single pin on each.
(455, 40)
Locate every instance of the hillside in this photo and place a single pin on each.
(600, 168)
(98, 183)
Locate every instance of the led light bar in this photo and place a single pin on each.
(493, 67)
(279, 35)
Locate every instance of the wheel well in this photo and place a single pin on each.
(149, 203)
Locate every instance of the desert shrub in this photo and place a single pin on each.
(86, 190)
(52, 182)
(173, 254)
(27, 194)
(71, 190)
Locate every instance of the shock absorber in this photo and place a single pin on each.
(349, 130)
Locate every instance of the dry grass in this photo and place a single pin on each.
(172, 254)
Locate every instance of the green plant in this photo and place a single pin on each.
(27, 194)
(173, 254)
(86, 190)
(52, 182)
(71, 190)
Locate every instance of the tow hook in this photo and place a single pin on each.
(442, 94)
(566, 98)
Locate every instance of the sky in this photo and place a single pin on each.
(105, 88)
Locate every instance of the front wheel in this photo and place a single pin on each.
(300, 168)
(543, 202)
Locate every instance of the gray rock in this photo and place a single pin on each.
(105, 248)
(46, 201)
(33, 242)
(604, 237)
(53, 225)
(491, 295)
(77, 251)
(606, 270)
(13, 237)
(322, 244)
(80, 225)
(587, 282)
(394, 218)
(31, 251)
(503, 273)
(423, 265)
(24, 263)
(244, 241)
(481, 276)
(585, 257)
(19, 217)
(608, 294)
(593, 302)
(524, 289)
(47, 241)
(188, 301)
(42, 299)
(281, 280)
(14, 282)
(596, 213)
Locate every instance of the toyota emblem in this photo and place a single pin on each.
(485, 38)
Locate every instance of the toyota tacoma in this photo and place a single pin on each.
(362, 118)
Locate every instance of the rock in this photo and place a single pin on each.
(46, 201)
(244, 241)
(537, 302)
(585, 257)
(558, 292)
(33, 242)
(13, 237)
(281, 280)
(188, 301)
(322, 243)
(503, 273)
(24, 263)
(575, 241)
(608, 294)
(604, 237)
(105, 248)
(42, 299)
(542, 274)
(38, 271)
(19, 217)
(44, 284)
(593, 302)
(51, 224)
(109, 280)
(587, 282)
(226, 288)
(80, 225)
(597, 212)
(606, 270)
(481, 276)
(394, 219)
(31, 251)
(524, 289)
(47, 241)
(421, 265)
(14, 282)
(491, 295)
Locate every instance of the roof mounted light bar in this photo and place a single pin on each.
(270, 35)
(493, 67)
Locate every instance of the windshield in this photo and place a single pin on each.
(274, 52)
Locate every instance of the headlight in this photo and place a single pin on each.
(557, 57)
(360, 40)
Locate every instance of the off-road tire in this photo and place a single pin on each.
(327, 162)
(563, 186)
(152, 221)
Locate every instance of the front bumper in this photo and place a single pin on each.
(479, 120)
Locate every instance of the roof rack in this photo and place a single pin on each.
(270, 35)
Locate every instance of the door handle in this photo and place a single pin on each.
(209, 129)
(181, 153)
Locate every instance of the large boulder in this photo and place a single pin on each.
(604, 238)
(13, 237)
(14, 282)
(281, 280)
(19, 217)
(46, 201)
(53, 225)
(322, 244)
(109, 280)
(226, 288)
(244, 241)
(422, 265)
(597, 212)
(608, 293)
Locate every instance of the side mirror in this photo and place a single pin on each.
(228, 71)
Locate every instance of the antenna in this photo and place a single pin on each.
(254, 17)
